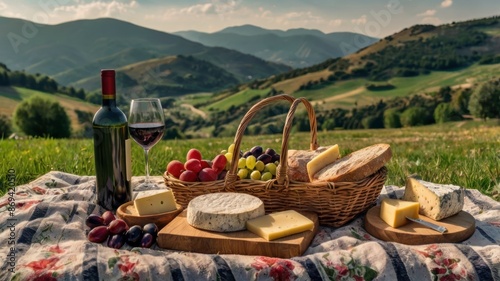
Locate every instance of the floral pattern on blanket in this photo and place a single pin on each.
(48, 242)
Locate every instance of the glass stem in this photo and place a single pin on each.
(146, 152)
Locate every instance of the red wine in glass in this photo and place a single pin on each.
(146, 134)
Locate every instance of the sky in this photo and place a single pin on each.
(376, 18)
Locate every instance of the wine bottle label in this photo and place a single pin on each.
(128, 157)
(108, 97)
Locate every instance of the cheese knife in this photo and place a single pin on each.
(430, 225)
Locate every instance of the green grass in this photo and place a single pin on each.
(461, 153)
(237, 99)
(404, 86)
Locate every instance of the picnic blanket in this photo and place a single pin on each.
(44, 238)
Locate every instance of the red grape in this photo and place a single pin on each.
(189, 176)
(193, 165)
(117, 226)
(108, 217)
(193, 153)
(219, 163)
(175, 168)
(207, 174)
(98, 234)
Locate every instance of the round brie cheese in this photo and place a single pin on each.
(223, 212)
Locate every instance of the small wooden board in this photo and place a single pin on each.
(460, 227)
(179, 235)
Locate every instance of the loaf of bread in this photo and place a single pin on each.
(297, 162)
(357, 165)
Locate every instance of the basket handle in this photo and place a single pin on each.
(231, 176)
(281, 171)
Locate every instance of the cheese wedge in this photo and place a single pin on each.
(279, 224)
(322, 160)
(437, 201)
(154, 202)
(394, 212)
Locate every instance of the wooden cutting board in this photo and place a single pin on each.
(460, 227)
(179, 235)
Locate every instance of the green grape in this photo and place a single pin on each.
(242, 163)
(231, 148)
(223, 151)
(229, 157)
(271, 168)
(259, 165)
(266, 176)
(255, 175)
(243, 173)
(250, 161)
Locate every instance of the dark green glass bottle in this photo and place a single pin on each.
(111, 148)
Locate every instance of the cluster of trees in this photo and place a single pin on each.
(36, 82)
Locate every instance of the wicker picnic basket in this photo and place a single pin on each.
(335, 203)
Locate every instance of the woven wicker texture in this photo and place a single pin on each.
(335, 203)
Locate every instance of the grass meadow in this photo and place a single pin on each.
(461, 153)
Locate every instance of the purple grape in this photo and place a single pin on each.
(147, 240)
(246, 154)
(266, 158)
(150, 228)
(116, 241)
(94, 220)
(256, 151)
(270, 151)
(276, 157)
(134, 235)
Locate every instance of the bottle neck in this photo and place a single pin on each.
(108, 88)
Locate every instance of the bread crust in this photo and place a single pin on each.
(297, 162)
(357, 165)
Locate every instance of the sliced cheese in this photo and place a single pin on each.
(223, 212)
(437, 201)
(155, 202)
(279, 224)
(394, 212)
(322, 160)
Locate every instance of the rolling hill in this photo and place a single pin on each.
(10, 97)
(74, 51)
(295, 47)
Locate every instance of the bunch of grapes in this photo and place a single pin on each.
(198, 169)
(117, 232)
(256, 163)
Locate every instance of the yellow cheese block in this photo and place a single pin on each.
(322, 160)
(394, 212)
(155, 202)
(279, 224)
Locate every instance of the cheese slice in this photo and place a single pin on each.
(279, 224)
(223, 212)
(154, 202)
(394, 212)
(322, 160)
(437, 201)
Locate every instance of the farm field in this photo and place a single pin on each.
(461, 153)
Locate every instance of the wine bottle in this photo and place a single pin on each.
(111, 148)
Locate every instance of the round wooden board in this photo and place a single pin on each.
(460, 227)
(128, 213)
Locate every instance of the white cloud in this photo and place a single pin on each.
(3, 6)
(263, 13)
(360, 20)
(335, 22)
(446, 3)
(97, 9)
(428, 13)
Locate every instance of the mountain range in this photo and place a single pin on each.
(72, 53)
(294, 47)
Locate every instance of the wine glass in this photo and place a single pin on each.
(146, 126)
